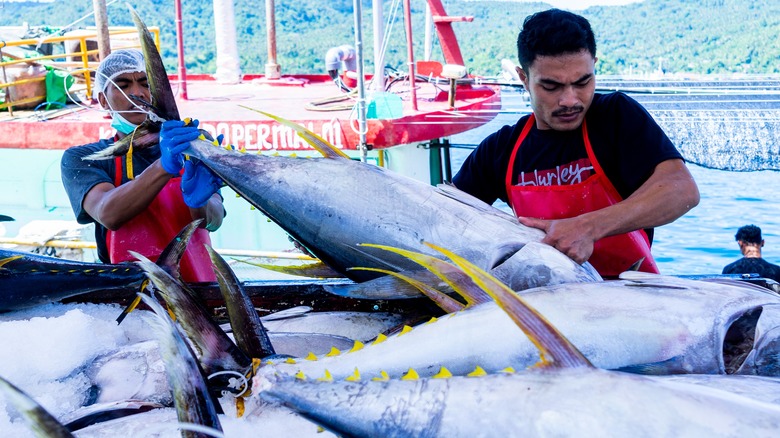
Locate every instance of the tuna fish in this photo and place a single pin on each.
(194, 404)
(539, 403)
(653, 325)
(29, 279)
(563, 396)
(332, 204)
(215, 350)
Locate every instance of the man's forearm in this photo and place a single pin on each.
(116, 206)
(668, 194)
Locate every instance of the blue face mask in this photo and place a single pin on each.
(121, 124)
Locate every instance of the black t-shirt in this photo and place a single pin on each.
(754, 265)
(80, 176)
(626, 141)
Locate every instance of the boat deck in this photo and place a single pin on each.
(220, 109)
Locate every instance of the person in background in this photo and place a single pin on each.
(594, 171)
(142, 200)
(750, 244)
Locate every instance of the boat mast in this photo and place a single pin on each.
(428, 33)
(361, 101)
(101, 24)
(228, 65)
(272, 69)
(379, 56)
(410, 51)
(180, 51)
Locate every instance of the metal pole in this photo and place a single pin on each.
(101, 24)
(410, 51)
(272, 69)
(428, 32)
(180, 49)
(8, 92)
(379, 56)
(361, 101)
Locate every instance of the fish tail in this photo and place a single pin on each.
(39, 419)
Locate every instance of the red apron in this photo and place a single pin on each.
(611, 255)
(154, 228)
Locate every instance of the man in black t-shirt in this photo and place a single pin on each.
(750, 244)
(594, 171)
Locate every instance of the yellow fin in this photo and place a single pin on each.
(405, 330)
(443, 373)
(311, 356)
(444, 301)
(478, 372)
(548, 340)
(310, 267)
(449, 273)
(355, 377)
(411, 375)
(384, 377)
(508, 370)
(356, 347)
(379, 339)
(328, 377)
(333, 352)
(432, 320)
(290, 360)
(300, 376)
(320, 144)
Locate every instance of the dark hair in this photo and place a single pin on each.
(553, 32)
(749, 234)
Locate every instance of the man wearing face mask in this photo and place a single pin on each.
(594, 171)
(140, 201)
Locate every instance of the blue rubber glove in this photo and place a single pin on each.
(198, 184)
(175, 138)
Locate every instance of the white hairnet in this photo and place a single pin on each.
(117, 63)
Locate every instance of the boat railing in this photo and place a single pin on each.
(78, 59)
(89, 245)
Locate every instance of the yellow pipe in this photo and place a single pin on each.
(84, 53)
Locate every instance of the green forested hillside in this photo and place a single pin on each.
(706, 36)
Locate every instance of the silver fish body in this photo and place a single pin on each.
(659, 325)
(543, 403)
(360, 326)
(332, 205)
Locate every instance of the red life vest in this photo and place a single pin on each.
(154, 228)
(611, 255)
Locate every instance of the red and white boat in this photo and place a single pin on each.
(398, 113)
(404, 121)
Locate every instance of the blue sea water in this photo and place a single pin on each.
(702, 241)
